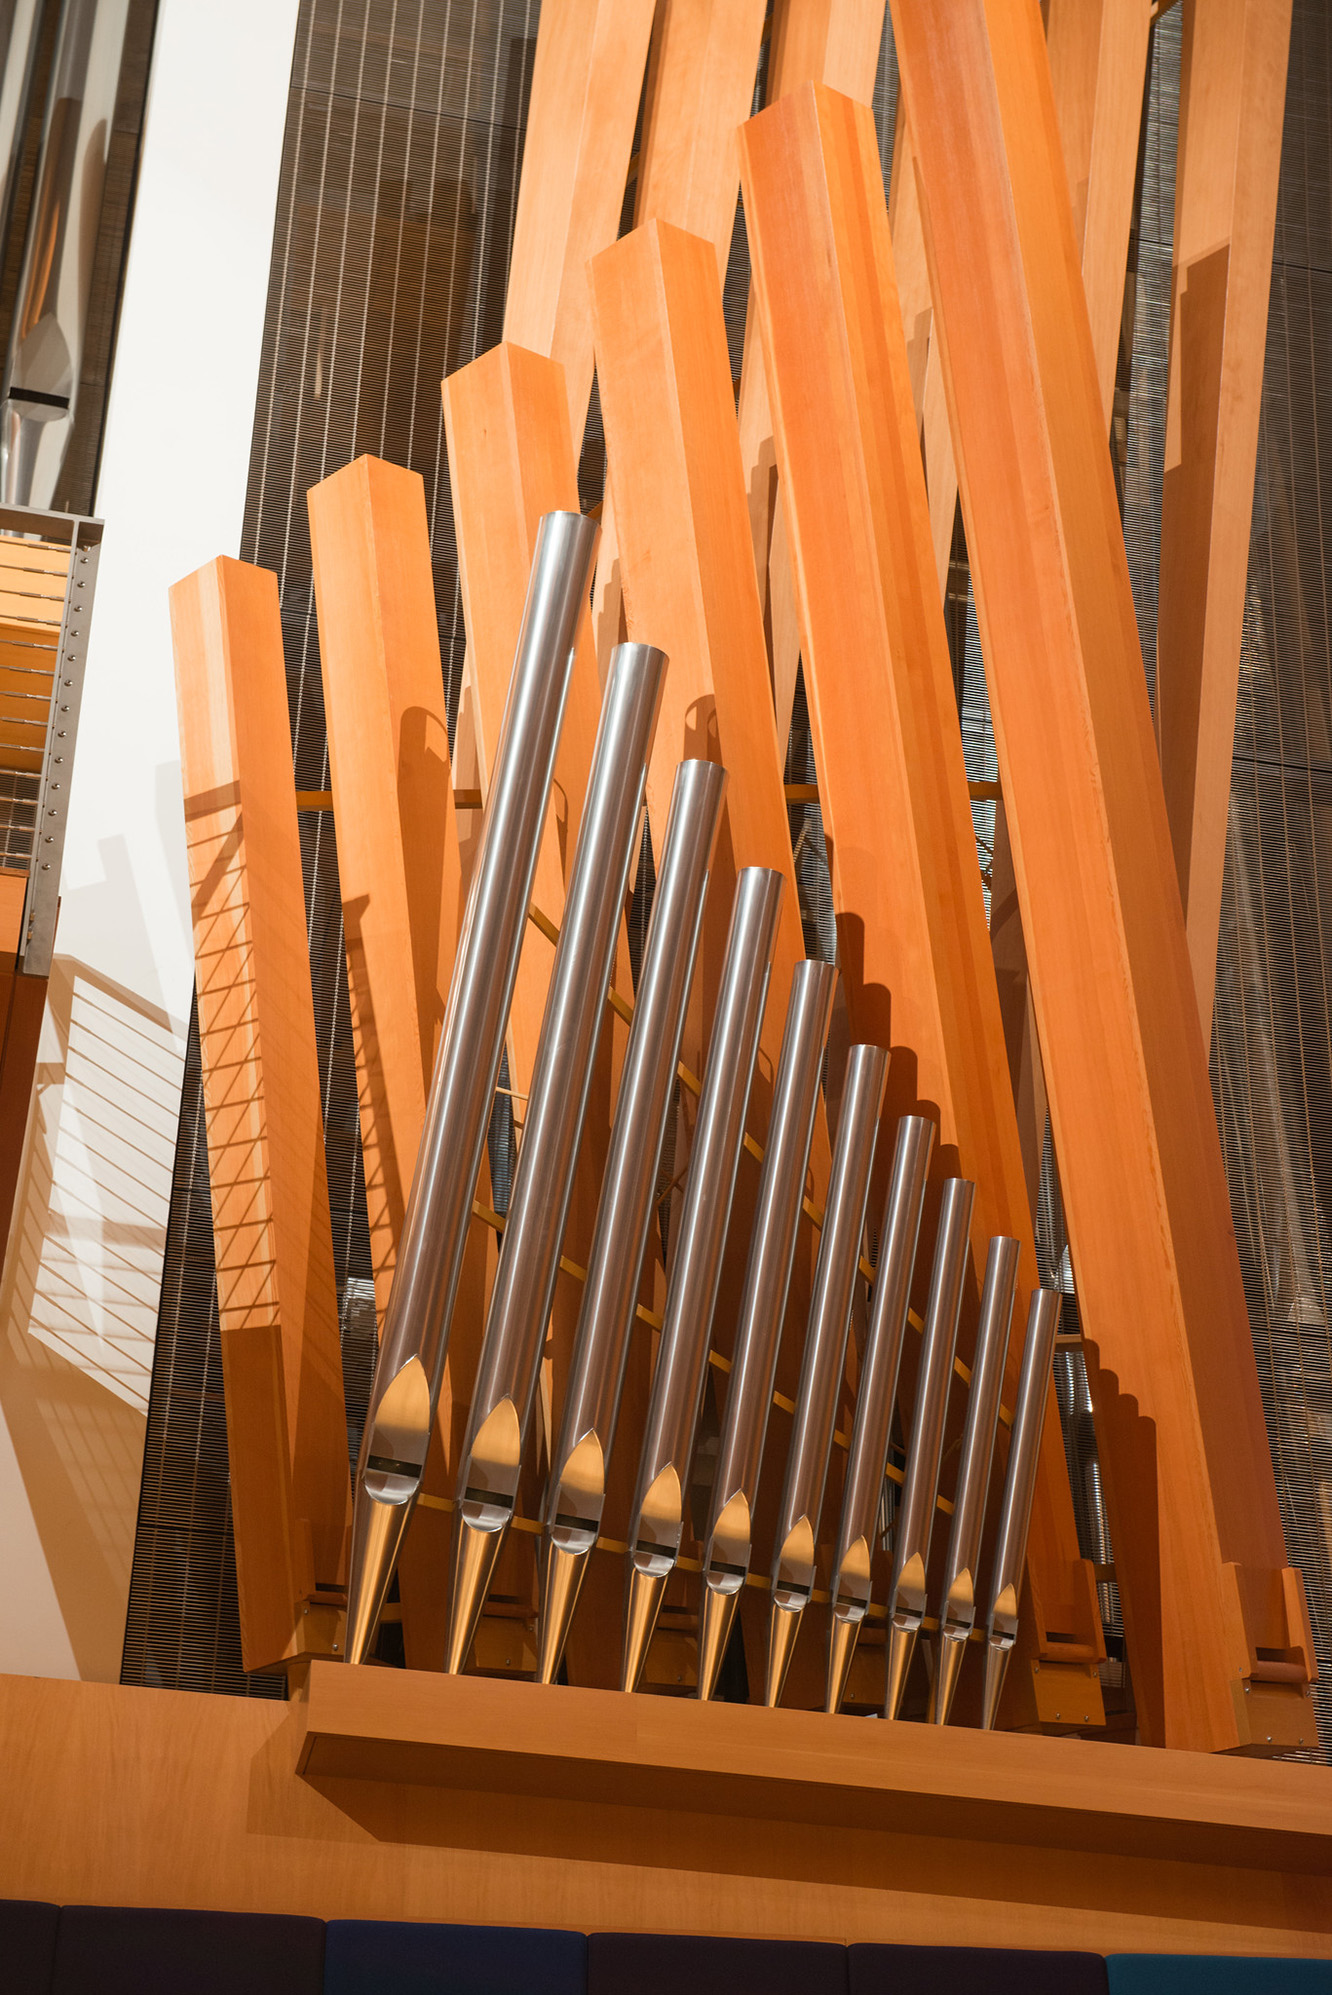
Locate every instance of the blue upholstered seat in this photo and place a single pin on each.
(668, 1964)
(121, 1950)
(1215, 1974)
(902, 1970)
(380, 1957)
(27, 1945)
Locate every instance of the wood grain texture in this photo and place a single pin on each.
(912, 938)
(22, 1002)
(1184, 1450)
(277, 1299)
(586, 80)
(118, 1796)
(401, 875)
(1231, 110)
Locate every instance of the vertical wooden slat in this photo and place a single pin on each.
(401, 877)
(277, 1301)
(1186, 1463)
(913, 944)
(1231, 108)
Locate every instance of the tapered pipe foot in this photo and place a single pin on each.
(901, 1648)
(646, 1592)
(715, 1622)
(844, 1635)
(996, 1669)
(783, 1627)
(475, 1552)
(949, 1653)
(561, 1581)
(378, 1530)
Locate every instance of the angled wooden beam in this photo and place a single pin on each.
(586, 81)
(401, 876)
(1185, 1459)
(276, 1294)
(913, 944)
(1231, 111)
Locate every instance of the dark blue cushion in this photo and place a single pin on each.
(1215, 1974)
(120, 1950)
(27, 1945)
(666, 1964)
(886, 1970)
(385, 1957)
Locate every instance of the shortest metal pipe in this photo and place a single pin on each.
(1010, 1548)
(824, 1358)
(915, 1521)
(727, 1543)
(957, 1611)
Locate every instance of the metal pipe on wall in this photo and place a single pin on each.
(867, 1460)
(410, 1368)
(824, 1357)
(624, 1212)
(957, 1610)
(691, 1296)
(727, 1541)
(1010, 1547)
(915, 1522)
(50, 322)
(20, 33)
(501, 1415)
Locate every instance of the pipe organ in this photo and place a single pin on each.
(758, 1346)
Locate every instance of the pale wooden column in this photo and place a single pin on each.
(401, 877)
(276, 1294)
(1231, 110)
(1185, 1456)
(914, 948)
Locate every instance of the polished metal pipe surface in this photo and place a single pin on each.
(915, 1521)
(772, 1245)
(624, 1213)
(867, 1460)
(691, 1291)
(520, 1302)
(412, 1350)
(824, 1359)
(1024, 1449)
(957, 1611)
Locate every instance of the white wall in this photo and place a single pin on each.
(81, 1277)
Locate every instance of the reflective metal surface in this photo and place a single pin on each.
(50, 319)
(915, 1519)
(624, 1212)
(524, 1288)
(824, 1358)
(20, 24)
(772, 1247)
(1010, 1545)
(439, 1210)
(957, 1609)
(691, 1294)
(868, 1456)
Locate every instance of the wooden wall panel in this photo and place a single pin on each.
(913, 943)
(277, 1300)
(1185, 1460)
(22, 1002)
(1231, 108)
(403, 892)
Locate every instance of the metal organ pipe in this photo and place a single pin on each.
(520, 1303)
(410, 1368)
(1010, 1547)
(624, 1212)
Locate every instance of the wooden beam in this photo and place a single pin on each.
(1231, 111)
(913, 944)
(276, 1295)
(586, 82)
(401, 876)
(1184, 1449)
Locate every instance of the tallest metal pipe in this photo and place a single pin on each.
(425, 1283)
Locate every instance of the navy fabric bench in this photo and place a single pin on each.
(27, 1945)
(900, 1970)
(121, 1950)
(375, 1957)
(1215, 1974)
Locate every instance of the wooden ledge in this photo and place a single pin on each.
(597, 1746)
